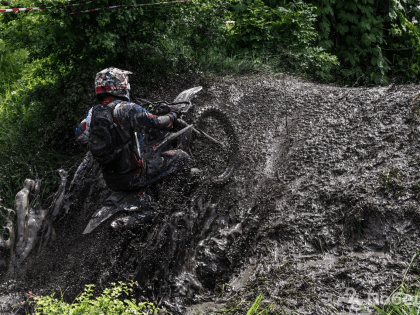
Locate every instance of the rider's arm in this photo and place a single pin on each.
(144, 118)
(82, 130)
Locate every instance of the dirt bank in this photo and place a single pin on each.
(322, 210)
(330, 204)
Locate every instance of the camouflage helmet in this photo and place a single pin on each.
(114, 82)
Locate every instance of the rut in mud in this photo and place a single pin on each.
(324, 205)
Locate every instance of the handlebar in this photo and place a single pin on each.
(184, 106)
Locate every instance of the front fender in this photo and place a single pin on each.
(187, 95)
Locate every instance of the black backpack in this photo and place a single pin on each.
(103, 143)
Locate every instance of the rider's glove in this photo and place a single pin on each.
(175, 113)
(162, 110)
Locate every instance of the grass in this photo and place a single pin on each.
(391, 181)
(416, 187)
(405, 299)
(219, 61)
(402, 302)
(294, 287)
(11, 66)
(254, 307)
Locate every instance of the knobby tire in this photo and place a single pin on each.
(226, 129)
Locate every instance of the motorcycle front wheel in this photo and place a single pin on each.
(214, 147)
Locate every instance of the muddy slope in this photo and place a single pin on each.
(323, 207)
(335, 208)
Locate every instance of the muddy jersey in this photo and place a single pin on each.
(129, 118)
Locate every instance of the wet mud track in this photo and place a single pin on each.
(321, 214)
(330, 207)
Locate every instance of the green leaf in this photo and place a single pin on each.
(240, 7)
(342, 28)
(328, 9)
(351, 57)
(342, 15)
(364, 24)
(397, 5)
(376, 51)
(392, 14)
(374, 61)
(367, 39)
(325, 26)
(327, 44)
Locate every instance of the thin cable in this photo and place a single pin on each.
(127, 6)
(84, 3)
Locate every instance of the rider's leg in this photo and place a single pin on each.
(167, 163)
(157, 168)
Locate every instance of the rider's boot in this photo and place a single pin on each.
(136, 219)
(131, 221)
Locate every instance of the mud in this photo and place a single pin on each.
(321, 216)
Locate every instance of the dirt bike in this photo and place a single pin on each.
(208, 136)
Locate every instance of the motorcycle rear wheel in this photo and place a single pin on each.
(215, 161)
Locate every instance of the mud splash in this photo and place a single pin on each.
(326, 199)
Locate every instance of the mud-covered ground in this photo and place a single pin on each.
(327, 192)
(321, 216)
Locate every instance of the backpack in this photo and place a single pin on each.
(103, 142)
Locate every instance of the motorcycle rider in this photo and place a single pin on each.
(126, 170)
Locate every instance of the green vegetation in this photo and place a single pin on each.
(286, 33)
(391, 181)
(254, 307)
(109, 302)
(406, 297)
(404, 301)
(295, 286)
(12, 63)
(374, 40)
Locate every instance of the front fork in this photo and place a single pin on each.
(185, 138)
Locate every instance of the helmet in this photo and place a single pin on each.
(113, 82)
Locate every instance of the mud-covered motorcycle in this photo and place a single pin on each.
(207, 135)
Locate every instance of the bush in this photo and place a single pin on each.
(109, 302)
(11, 66)
(287, 33)
(373, 40)
(38, 119)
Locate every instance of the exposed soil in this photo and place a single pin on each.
(321, 214)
